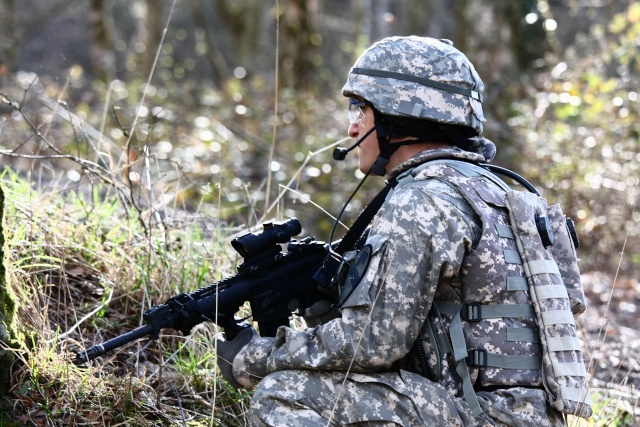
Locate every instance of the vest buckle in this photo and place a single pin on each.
(477, 358)
(471, 312)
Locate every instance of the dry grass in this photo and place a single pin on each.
(84, 274)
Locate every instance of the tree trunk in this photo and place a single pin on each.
(214, 55)
(8, 310)
(7, 39)
(102, 55)
(152, 29)
(298, 49)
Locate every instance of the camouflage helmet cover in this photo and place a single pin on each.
(419, 77)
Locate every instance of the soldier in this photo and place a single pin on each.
(436, 322)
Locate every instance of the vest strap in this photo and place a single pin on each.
(517, 283)
(563, 344)
(481, 358)
(543, 266)
(576, 394)
(475, 312)
(523, 335)
(557, 317)
(570, 369)
(550, 291)
(460, 356)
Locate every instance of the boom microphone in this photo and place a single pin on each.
(341, 153)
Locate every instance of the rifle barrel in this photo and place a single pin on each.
(100, 349)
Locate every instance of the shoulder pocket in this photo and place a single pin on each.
(362, 273)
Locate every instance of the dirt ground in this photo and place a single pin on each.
(610, 329)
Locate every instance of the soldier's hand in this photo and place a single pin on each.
(227, 351)
(319, 313)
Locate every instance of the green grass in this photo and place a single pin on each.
(609, 409)
(85, 270)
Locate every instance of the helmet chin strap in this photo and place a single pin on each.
(384, 130)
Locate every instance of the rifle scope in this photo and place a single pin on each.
(272, 233)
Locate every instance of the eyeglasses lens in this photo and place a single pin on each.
(355, 110)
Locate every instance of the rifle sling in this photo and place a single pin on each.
(350, 239)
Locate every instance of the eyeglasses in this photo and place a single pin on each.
(355, 110)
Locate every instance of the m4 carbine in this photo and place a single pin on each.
(268, 278)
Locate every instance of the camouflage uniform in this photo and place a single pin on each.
(363, 368)
(358, 369)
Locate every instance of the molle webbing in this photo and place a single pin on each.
(492, 329)
(564, 253)
(549, 276)
(563, 363)
(563, 249)
(466, 358)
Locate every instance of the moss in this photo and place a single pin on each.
(8, 309)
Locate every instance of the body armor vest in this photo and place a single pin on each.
(487, 327)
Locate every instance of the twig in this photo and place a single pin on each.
(87, 165)
(83, 319)
(275, 110)
(182, 417)
(295, 176)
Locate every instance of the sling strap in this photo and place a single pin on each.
(331, 263)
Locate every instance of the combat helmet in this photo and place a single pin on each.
(419, 78)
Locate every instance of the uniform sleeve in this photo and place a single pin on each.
(417, 239)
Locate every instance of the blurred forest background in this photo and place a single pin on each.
(154, 129)
(239, 93)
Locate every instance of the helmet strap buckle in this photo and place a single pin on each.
(379, 167)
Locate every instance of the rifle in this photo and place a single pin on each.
(268, 278)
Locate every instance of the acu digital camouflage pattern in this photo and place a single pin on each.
(563, 362)
(419, 240)
(557, 293)
(492, 274)
(422, 57)
(304, 398)
(564, 252)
